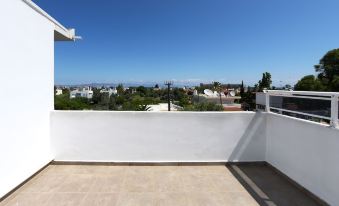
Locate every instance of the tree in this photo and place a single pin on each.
(100, 101)
(328, 69)
(287, 87)
(65, 91)
(96, 96)
(204, 106)
(143, 107)
(120, 100)
(180, 96)
(242, 89)
(63, 102)
(265, 82)
(184, 100)
(142, 90)
(217, 87)
(248, 99)
(120, 89)
(309, 83)
(335, 84)
(112, 105)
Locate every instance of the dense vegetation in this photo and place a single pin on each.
(204, 106)
(132, 99)
(327, 78)
(63, 102)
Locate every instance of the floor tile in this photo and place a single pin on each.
(107, 183)
(30, 199)
(172, 199)
(137, 199)
(100, 199)
(91, 185)
(139, 183)
(66, 199)
(77, 183)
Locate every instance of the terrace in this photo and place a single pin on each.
(159, 185)
(185, 158)
(284, 155)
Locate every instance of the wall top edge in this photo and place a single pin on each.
(147, 112)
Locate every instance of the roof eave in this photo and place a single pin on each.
(62, 35)
(60, 32)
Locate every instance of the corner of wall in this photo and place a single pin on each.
(265, 116)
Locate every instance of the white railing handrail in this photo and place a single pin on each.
(330, 96)
(272, 92)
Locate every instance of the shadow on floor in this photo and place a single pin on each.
(270, 188)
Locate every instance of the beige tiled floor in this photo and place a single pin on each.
(132, 185)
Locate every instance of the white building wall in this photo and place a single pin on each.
(307, 152)
(158, 137)
(26, 61)
(260, 98)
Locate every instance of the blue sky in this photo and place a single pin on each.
(192, 40)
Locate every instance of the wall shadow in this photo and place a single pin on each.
(252, 144)
(268, 187)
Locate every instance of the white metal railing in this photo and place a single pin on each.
(333, 97)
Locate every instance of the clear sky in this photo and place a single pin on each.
(192, 40)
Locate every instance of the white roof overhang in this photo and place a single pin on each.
(60, 32)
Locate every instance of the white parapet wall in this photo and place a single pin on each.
(307, 152)
(158, 137)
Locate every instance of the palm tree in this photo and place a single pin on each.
(217, 87)
(143, 107)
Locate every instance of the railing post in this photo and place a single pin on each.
(334, 111)
(267, 101)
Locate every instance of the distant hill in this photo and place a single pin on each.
(145, 84)
(129, 84)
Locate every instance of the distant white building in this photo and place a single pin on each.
(110, 91)
(58, 92)
(163, 107)
(84, 92)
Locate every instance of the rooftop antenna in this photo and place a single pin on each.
(168, 84)
(209, 92)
